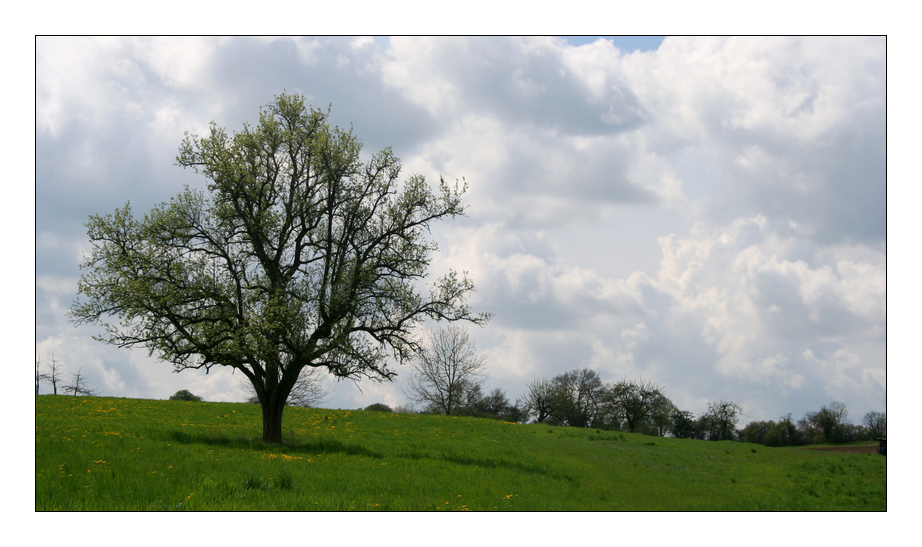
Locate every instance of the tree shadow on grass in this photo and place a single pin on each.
(323, 445)
(320, 445)
(490, 463)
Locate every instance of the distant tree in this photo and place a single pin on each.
(784, 433)
(830, 424)
(184, 395)
(876, 424)
(835, 423)
(494, 402)
(704, 428)
(516, 413)
(576, 397)
(472, 399)
(496, 405)
(539, 399)
(404, 409)
(809, 428)
(720, 420)
(447, 372)
(52, 375)
(378, 407)
(684, 425)
(39, 375)
(771, 433)
(308, 391)
(661, 412)
(634, 402)
(756, 431)
(78, 385)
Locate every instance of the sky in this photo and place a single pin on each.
(706, 213)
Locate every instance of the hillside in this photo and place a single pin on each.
(126, 454)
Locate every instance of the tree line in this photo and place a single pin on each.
(828, 425)
(448, 377)
(53, 374)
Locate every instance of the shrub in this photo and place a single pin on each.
(404, 409)
(184, 395)
(379, 407)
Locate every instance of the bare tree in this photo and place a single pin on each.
(53, 375)
(78, 385)
(307, 392)
(39, 375)
(876, 422)
(539, 399)
(446, 371)
(404, 409)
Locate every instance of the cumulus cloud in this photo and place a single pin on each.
(709, 215)
(791, 128)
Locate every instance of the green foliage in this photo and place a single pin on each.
(575, 398)
(639, 405)
(771, 433)
(494, 405)
(686, 426)
(379, 407)
(184, 395)
(95, 454)
(300, 254)
(829, 425)
(719, 422)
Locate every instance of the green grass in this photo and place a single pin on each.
(97, 454)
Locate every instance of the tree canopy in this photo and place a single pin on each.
(186, 395)
(299, 255)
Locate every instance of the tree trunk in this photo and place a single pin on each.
(272, 422)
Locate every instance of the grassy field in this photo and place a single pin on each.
(102, 454)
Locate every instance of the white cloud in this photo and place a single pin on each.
(709, 215)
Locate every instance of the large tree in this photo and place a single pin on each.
(299, 255)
